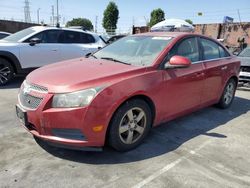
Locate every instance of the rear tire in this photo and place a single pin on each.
(130, 125)
(6, 72)
(228, 94)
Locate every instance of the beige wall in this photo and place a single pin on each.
(229, 32)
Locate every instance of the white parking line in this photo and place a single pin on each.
(168, 167)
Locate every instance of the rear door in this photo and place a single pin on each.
(76, 44)
(215, 60)
(183, 86)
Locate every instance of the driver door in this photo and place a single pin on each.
(43, 53)
(183, 86)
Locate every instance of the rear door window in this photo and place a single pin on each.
(87, 38)
(210, 49)
(223, 52)
(72, 37)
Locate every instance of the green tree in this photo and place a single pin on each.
(86, 23)
(110, 17)
(157, 16)
(189, 21)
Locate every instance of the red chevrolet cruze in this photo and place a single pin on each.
(118, 93)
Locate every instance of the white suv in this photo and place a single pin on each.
(38, 46)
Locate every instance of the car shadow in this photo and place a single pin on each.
(15, 83)
(162, 139)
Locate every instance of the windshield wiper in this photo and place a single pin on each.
(115, 60)
(90, 54)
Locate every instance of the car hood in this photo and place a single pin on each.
(77, 74)
(245, 61)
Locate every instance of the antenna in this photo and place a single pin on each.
(27, 11)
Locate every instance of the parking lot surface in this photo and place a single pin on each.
(208, 148)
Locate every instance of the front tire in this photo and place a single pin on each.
(130, 125)
(6, 72)
(228, 94)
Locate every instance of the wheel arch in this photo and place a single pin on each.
(12, 59)
(235, 78)
(143, 97)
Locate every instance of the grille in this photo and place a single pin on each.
(38, 88)
(245, 69)
(30, 101)
(31, 95)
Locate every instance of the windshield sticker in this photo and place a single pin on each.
(161, 38)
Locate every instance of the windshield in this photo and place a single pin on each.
(134, 50)
(19, 35)
(245, 52)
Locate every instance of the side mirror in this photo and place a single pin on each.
(178, 62)
(35, 41)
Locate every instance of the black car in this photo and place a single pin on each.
(244, 56)
(114, 38)
(3, 34)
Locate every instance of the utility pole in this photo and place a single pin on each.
(27, 11)
(57, 13)
(96, 20)
(38, 15)
(53, 15)
(238, 11)
(64, 21)
(146, 20)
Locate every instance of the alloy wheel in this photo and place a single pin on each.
(132, 125)
(5, 73)
(229, 93)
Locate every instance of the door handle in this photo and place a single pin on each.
(54, 50)
(199, 74)
(224, 68)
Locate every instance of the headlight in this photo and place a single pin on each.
(75, 99)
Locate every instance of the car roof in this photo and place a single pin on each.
(43, 28)
(167, 34)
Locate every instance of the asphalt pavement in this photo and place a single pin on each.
(208, 148)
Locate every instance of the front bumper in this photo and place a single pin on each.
(244, 78)
(244, 74)
(69, 128)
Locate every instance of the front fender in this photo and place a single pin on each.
(105, 104)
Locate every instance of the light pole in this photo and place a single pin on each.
(57, 14)
(38, 15)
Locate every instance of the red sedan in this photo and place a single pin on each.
(117, 94)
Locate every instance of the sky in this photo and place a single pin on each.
(131, 12)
